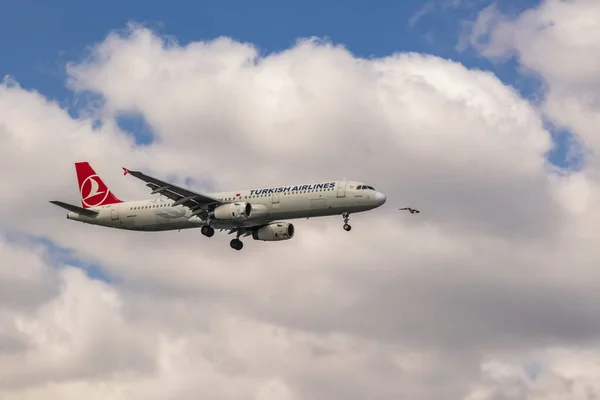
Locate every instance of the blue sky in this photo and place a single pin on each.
(38, 38)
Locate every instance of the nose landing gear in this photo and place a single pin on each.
(346, 217)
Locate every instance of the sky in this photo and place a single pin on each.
(481, 114)
(49, 36)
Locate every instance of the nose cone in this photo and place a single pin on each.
(379, 199)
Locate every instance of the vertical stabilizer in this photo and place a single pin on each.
(93, 190)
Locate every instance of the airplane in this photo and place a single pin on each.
(253, 212)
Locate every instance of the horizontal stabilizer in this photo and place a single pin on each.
(75, 209)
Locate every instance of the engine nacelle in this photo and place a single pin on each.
(232, 211)
(274, 231)
(259, 211)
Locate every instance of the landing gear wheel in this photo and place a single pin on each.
(207, 231)
(236, 244)
(346, 217)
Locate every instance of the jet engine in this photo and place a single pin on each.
(273, 232)
(232, 211)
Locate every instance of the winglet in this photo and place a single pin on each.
(125, 171)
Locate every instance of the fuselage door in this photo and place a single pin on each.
(341, 190)
(275, 198)
(114, 213)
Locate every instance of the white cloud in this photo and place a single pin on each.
(566, 374)
(559, 41)
(502, 259)
(420, 13)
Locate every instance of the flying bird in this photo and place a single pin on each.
(411, 210)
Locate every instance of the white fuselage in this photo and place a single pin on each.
(158, 214)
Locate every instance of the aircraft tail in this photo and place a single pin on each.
(93, 190)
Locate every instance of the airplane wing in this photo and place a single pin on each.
(181, 196)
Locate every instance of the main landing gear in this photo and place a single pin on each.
(236, 244)
(346, 217)
(207, 231)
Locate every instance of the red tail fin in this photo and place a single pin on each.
(94, 191)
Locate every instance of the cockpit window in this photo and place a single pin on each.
(371, 187)
(365, 187)
(359, 187)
